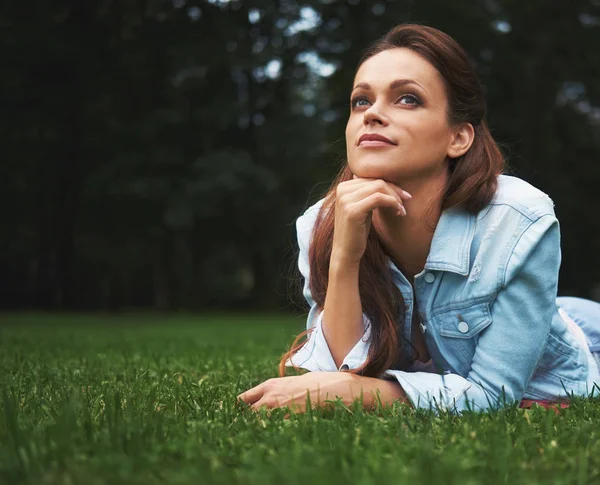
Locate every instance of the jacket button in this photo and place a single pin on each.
(463, 327)
(429, 277)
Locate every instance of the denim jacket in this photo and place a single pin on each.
(487, 305)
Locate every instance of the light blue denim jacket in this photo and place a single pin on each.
(487, 304)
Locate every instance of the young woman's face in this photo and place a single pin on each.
(398, 95)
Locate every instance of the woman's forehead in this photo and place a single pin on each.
(400, 63)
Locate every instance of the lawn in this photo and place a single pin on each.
(151, 399)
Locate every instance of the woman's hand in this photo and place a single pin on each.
(355, 202)
(322, 386)
(292, 391)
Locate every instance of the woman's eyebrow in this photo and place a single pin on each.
(393, 85)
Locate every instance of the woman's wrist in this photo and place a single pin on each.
(342, 265)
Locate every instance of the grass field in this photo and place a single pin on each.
(149, 399)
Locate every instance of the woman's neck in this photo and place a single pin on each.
(408, 238)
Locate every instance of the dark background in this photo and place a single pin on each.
(157, 153)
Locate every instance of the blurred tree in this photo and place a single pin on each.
(158, 151)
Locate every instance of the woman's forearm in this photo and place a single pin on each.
(342, 313)
(389, 392)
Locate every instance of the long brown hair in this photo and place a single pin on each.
(471, 184)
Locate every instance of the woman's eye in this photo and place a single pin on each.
(405, 99)
(355, 101)
(410, 99)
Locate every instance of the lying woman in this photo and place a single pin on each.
(431, 276)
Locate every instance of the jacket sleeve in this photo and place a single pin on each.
(509, 350)
(315, 354)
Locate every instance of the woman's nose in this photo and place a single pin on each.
(374, 115)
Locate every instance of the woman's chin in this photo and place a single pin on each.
(379, 170)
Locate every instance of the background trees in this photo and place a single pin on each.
(158, 152)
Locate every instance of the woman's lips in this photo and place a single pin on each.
(374, 143)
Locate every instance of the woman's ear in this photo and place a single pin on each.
(461, 140)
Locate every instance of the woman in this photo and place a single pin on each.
(431, 277)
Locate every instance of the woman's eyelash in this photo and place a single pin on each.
(411, 96)
(416, 100)
(355, 100)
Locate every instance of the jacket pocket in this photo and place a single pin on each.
(558, 371)
(461, 325)
(561, 359)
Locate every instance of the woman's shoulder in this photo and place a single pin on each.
(517, 208)
(522, 197)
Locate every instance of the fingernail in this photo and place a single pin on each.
(406, 194)
(402, 210)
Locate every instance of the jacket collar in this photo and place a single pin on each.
(451, 244)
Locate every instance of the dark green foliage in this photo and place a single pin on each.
(152, 400)
(157, 153)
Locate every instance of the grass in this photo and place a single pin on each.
(148, 399)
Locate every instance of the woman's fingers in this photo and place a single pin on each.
(375, 201)
(354, 205)
(258, 404)
(349, 193)
(349, 199)
(361, 181)
(360, 191)
(252, 395)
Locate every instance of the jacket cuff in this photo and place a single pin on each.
(315, 355)
(432, 391)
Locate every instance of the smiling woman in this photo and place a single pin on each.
(431, 276)
(411, 110)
